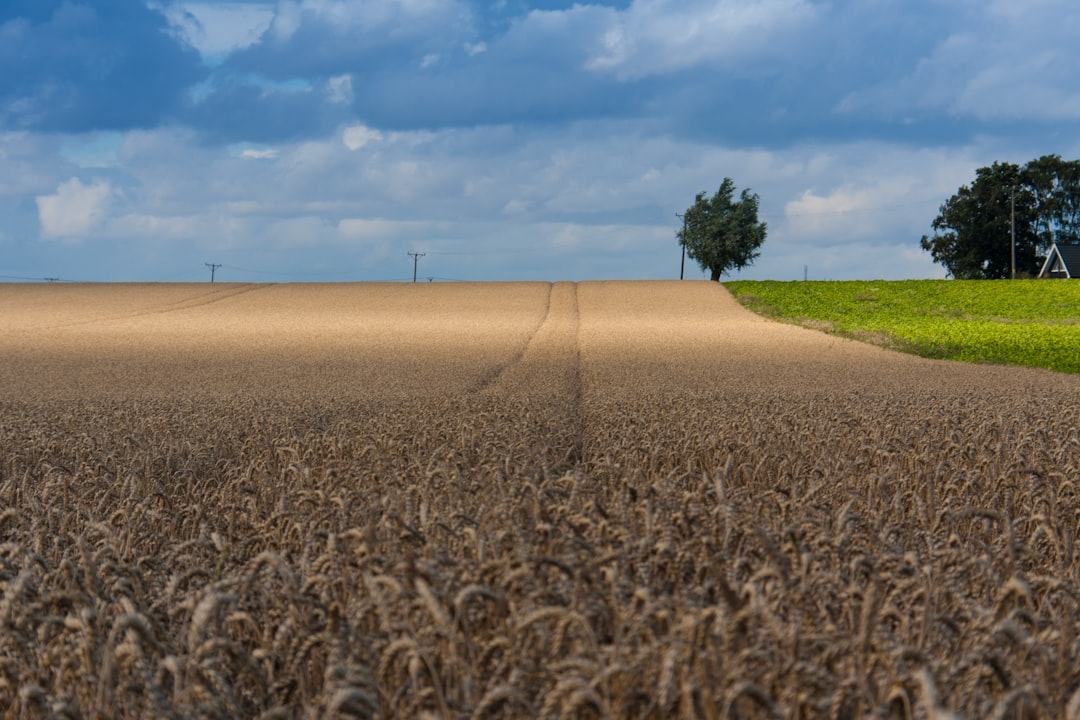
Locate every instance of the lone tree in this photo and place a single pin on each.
(721, 233)
(1037, 204)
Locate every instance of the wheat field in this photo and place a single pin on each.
(518, 500)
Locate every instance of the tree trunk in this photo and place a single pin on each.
(715, 274)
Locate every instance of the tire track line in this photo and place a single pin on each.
(578, 455)
(546, 381)
(198, 301)
(491, 378)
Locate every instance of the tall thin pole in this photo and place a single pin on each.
(682, 267)
(1012, 234)
(213, 267)
(416, 258)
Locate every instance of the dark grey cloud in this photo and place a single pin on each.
(771, 73)
(406, 72)
(246, 110)
(308, 39)
(79, 66)
(781, 72)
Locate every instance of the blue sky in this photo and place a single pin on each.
(322, 140)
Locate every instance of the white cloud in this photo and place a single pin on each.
(358, 136)
(846, 214)
(866, 193)
(218, 29)
(75, 210)
(838, 202)
(1032, 87)
(1002, 61)
(248, 151)
(339, 89)
(264, 154)
(288, 16)
(399, 17)
(515, 206)
(382, 229)
(653, 37)
(412, 138)
(140, 226)
(569, 237)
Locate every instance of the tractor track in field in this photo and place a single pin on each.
(197, 301)
(548, 369)
(492, 377)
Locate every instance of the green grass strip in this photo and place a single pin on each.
(1018, 322)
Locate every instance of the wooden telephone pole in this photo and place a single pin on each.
(682, 267)
(416, 258)
(1012, 234)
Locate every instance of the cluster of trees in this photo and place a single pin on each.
(1038, 204)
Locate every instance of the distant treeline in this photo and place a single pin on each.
(1009, 211)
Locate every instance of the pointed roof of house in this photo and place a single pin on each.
(1062, 261)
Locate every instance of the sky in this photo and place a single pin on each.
(325, 140)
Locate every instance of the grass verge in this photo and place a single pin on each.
(1023, 322)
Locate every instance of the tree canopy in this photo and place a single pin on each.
(973, 229)
(720, 233)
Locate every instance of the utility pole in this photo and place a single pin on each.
(416, 258)
(213, 267)
(1012, 234)
(682, 267)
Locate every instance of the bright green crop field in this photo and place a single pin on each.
(1017, 322)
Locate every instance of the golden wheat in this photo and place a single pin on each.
(519, 500)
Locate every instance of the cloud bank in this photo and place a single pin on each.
(323, 139)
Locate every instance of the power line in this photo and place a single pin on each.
(261, 272)
(278, 273)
